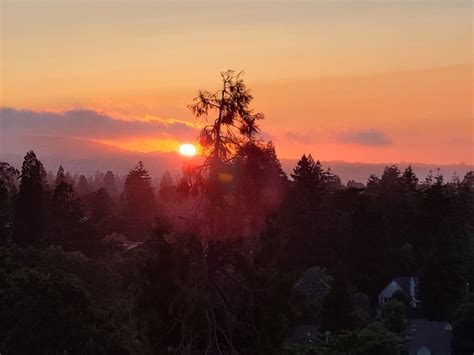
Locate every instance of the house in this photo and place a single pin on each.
(428, 338)
(407, 284)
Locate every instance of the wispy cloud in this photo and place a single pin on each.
(296, 137)
(89, 124)
(371, 138)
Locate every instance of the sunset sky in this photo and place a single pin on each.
(384, 81)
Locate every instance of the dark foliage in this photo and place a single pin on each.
(230, 258)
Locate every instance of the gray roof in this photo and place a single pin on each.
(436, 336)
(404, 283)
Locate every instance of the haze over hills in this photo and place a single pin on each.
(87, 157)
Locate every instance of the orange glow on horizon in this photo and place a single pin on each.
(150, 145)
(341, 91)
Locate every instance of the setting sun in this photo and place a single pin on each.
(187, 149)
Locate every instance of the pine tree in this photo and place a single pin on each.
(306, 172)
(60, 176)
(390, 177)
(68, 226)
(275, 162)
(101, 207)
(82, 186)
(235, 123)
(8, 192)
(110, 184)
(29, 225)
(373, 183)
(167, 187)
(409, 178)
(140, 202)
(230, 124)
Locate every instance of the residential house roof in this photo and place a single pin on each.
(435, 336)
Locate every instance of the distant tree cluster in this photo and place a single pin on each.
(230, 256)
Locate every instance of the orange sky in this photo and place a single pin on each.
(346, 80)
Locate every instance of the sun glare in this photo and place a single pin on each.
(187, 149)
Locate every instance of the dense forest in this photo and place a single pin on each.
(231, 255)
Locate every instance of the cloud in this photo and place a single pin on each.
(295, 137)
(371, 138)
(89, 124)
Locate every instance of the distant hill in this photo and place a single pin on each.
(87, 157)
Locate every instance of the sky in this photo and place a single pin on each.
(366, 81)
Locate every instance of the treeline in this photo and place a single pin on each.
(74, 211)
(232, 256)
(237, 277)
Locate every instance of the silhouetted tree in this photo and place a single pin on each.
(167, 187)
(394, 316)
(307, 173)
(101, 209)
(306, 212)
(371, 340)
(235, 122)
(442, 284)
(60, 176)
(259, 187)
(82, 186)
(443, 250)
(373, 183)
(338, 308)
(390, 177)
(468, 180)
(29, 219)
(49, 307)
(230, 124)
(110, 184)
(8, 192)
(409, 178)
(139, 202)
(68, 228)
(310, 292)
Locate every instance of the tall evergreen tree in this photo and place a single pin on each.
(443, 251)
(101, 211)
(409, 178)
(259, 188)
(82, 186)
(390, 177)
(29, 222)
(68, 226)
(230, 124)
(167, 187)
(60, 176)
(8, 192)
(140, 202)
(305, 172)
(110, 184)
(373, 183)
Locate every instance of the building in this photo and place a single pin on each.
(428, 338)
(407, 284)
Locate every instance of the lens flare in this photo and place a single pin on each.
(187, 149)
